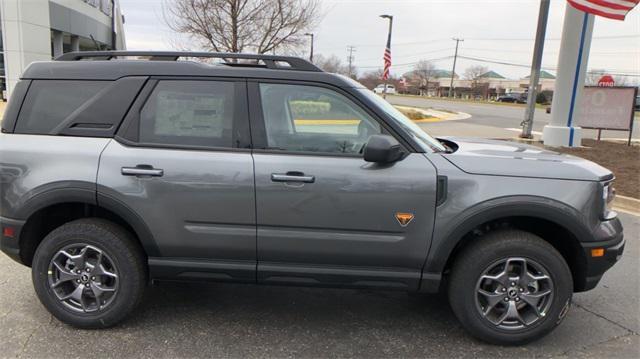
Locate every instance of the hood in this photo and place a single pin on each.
(503, 158)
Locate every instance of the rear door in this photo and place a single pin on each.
(182, 163)
(324, 215)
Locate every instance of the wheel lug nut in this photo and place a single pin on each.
(93, 278)
(504, 289)
(522, 289)
(513, 284)
(77, 280)
(506, 299)
(86, 285)
(517, 299)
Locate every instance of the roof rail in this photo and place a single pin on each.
(268, 61)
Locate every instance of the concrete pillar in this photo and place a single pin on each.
(572, 68)
(75, 43)
(58, 43)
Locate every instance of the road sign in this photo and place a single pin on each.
(608, 108)
(606, 81)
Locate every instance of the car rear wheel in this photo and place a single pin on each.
(89, 273)
(510, 287)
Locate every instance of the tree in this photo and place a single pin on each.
(373, 78)
(243, 25)
(331, 64)
(474, 73)
(424, 70)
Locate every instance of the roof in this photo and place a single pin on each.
(545, 75)
(491, 75)
(115, 69)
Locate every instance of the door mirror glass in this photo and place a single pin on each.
(383, 149)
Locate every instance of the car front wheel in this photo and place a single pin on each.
(510, 287)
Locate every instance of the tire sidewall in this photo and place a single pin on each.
(112, 246)
(466, 309)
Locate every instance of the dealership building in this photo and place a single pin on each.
(39, 30)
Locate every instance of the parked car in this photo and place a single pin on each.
(391, 90)
(512, 98)
(120, 172)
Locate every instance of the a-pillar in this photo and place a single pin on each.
(572, 68)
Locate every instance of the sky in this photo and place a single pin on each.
(493, 30)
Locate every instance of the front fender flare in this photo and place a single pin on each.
(445, 241)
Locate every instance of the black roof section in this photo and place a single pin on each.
(112, 65)
(268, 61)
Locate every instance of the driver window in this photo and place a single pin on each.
(314, 119)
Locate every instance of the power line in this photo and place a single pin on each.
(498, 62)
(408, 63)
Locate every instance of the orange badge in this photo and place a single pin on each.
(404, 218)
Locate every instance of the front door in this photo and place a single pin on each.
(182, 164)
(324, 215)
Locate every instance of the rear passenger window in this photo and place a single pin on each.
(49, 102)
(192, 113)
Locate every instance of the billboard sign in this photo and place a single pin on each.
(607, 108)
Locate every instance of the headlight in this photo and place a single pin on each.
(608, 195)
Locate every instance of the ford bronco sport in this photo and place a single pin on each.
(129, 167)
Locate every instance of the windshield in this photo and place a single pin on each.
(427, 142)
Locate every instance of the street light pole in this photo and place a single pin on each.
(310, 53)
(455, 59)
(387, 49)
(536, 64)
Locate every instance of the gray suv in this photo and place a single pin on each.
(122, 168)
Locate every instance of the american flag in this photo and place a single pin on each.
(613, 9)
(387, 59)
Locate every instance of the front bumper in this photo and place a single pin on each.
(10, 230)
(611, 241)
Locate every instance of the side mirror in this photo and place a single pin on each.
(383, 149)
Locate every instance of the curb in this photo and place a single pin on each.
(627, 204)
(440, 116)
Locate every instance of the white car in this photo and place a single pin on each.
(380, 89)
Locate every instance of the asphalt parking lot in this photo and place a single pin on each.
(229, 320)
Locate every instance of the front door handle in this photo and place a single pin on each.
(292, 177)
(142, 170)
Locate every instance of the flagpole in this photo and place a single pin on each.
(390, 17)
(572, 68)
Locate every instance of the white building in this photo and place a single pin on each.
(39, 30)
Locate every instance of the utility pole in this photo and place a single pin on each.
(311, 52)
(536, 64)
(455, 59)
(351, 49)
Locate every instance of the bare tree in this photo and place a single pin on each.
(331, 64)
(372, 79)
(261, 26)
(474, 73)
(425, 70)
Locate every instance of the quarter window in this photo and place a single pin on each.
(50, 102)
(192, 113)
(314, 119)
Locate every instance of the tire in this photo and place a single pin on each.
(479, 301)
(77, 290)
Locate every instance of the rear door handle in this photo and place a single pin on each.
(142, 170)
(292, 177)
